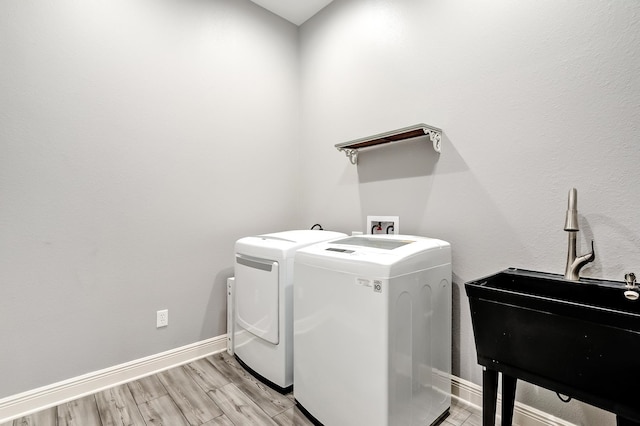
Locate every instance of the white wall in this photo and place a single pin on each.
(138, 141)
(534, 98)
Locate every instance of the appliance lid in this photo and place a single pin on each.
(282, 245)
(300, 237)
(384, 244)
(376, 255)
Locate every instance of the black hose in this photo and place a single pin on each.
(318, 225)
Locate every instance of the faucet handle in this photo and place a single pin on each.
(631, 292)
(630, 279)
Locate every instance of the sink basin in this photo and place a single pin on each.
(579, 338)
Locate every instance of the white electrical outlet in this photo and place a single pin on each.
(383, 225)
(162, 318)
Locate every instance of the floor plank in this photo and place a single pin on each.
(228, 366)
(194, 403)
(146, 389)
(292, 417)
(80, 412)
(269, 400)
(48, 417)
(458, 417)
(117, 407)
(474, 420)
(219, 421)
(206, 375)
(162, 412)
(238, 407)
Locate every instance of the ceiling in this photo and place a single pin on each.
(296, 11)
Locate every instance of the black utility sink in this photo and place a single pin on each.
(578, 338)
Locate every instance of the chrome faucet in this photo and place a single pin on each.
(574, 263)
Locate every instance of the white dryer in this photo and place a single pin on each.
(263, 289)
(372, 330)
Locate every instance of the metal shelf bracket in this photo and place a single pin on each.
(351, 153)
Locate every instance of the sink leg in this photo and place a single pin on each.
(489, 396)
(508, 399)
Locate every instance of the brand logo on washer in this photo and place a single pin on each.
(377, 286)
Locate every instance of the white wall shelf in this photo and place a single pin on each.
(351, 148)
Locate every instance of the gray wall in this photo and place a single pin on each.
(131, 136)
(534, 98)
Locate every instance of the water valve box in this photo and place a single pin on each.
(383, 225)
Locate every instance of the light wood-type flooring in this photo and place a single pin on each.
(211, 391)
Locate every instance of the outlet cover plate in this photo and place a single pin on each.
(162, 318)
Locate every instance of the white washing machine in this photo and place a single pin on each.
(372, 330)
(263, 288)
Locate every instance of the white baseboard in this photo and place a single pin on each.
(25, 403)
(523, 415)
